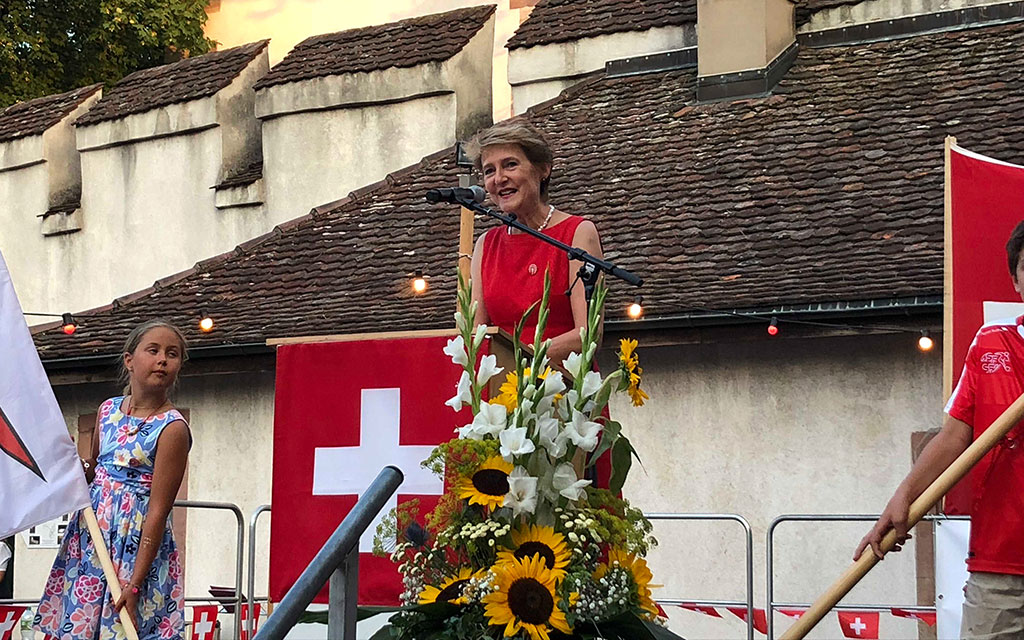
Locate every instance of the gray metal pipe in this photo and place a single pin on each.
(331, 556)
(263, 508)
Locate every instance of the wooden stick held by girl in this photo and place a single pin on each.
(140, 451)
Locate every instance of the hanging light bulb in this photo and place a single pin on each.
(419, 282)
(636, 309)
(206, 324)
(69, 326)
(773, 327)
(925, 342)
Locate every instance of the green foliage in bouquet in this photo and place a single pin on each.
(521, 545)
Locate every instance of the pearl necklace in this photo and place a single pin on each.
(551, 211)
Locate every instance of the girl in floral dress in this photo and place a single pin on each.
(140, 449)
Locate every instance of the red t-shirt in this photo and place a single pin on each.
(993, 377)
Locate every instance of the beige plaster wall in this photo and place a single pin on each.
(740, 35)
(878, 10)
(540, 73)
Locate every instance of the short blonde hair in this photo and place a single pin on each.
(517, 131)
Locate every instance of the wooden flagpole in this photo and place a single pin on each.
(947, 276)
(466, 223)
(108, 569)
(929, 498)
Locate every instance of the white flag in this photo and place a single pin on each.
(40, 475)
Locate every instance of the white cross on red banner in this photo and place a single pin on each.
(859, 624)
(10, 619)
(204, 621)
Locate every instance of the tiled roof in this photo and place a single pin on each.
(33, 117)
(807, 8)
(407, 43)
(829, 190)
(188, 79)
(554, 21)
(247, 176)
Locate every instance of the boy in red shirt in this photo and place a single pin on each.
(993, 377)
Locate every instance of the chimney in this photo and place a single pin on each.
(743, 46)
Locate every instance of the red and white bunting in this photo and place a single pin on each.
(792, 613)
(927, 617)
(204, 621)
(10, 619)
(760, 618)
(859, 624)
(708, 611)
(255, 619)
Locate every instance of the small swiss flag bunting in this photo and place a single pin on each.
(760, 619)
(859, 624)
(708, 611)
(927, 617)
(792, 613)
(204, 622)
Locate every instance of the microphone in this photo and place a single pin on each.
(457, 195)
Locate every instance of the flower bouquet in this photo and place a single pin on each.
(521, 545)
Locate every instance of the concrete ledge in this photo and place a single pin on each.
(171, 120)
(880, 10)
(249, 195)
(58, 223)
(21, 153)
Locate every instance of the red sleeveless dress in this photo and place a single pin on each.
(512, 273)
(512, 269)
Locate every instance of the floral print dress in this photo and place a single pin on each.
(76, 604)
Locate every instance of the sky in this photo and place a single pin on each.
(287, 22)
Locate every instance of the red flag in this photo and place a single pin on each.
(10, 619)
(760, 619)
(792, 613)
(328, 396)
(255, 619)
(927, 617)
(708, 611)
(985, 206)
(204, 621)
(859, 624)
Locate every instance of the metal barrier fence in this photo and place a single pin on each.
(772, 605)
(260, 510)
(749, 539)
(240, 545)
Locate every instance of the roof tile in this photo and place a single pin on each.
(407, 43)
(182, 81)
(829, 190)
(33, 117)
(553, 21)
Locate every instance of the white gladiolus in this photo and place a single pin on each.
(591, 384)
(463, 393)
(478, 339)
(572, 364)
(582, 432)
(460, 321)
(553, 384)
(488, 369)
(456, 350)
(551, 436)
(515, 442)
(489, 422)
(522, 492)
(566, 483)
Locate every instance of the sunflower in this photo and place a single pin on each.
(525, 599)
(637, 567)
(508, 392)
(630, 365)
(534, 540)
(487, 485)
(450, 589)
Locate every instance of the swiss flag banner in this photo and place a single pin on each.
(10, 619)
(792, 613)
(985, 207)
(343, 411)
(245, 619)
(927, 617)
(760, 618)
(204, 621)
(859, 624)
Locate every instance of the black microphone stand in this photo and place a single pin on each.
(589, 271)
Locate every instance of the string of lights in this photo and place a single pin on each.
(634, 310)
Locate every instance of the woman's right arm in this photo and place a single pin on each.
(478, 286)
